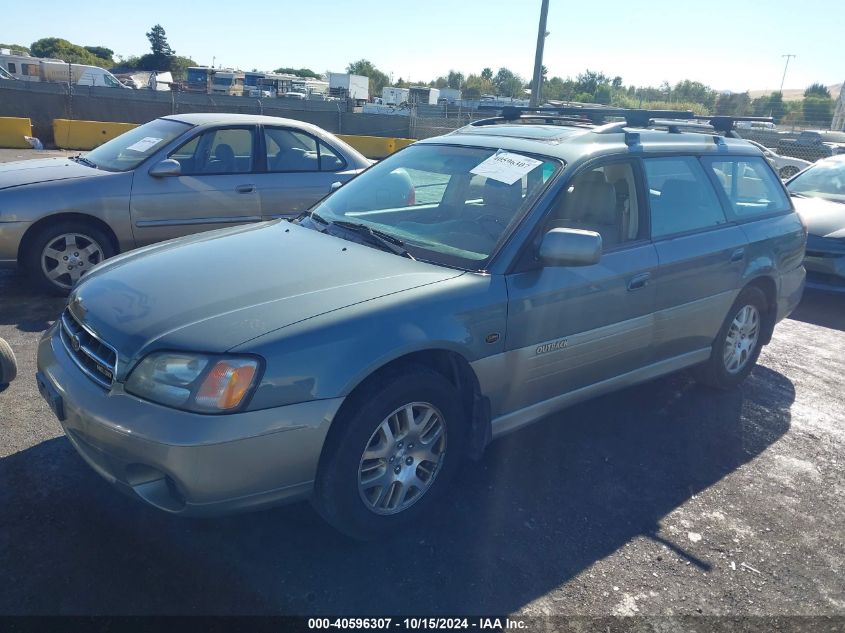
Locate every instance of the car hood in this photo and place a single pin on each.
(823, 218)
(30, 172)
(213, 291)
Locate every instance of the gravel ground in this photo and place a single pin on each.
(667, 499)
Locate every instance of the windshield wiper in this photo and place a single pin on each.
(384, 240)
(81, 159)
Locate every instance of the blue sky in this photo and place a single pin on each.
(727, 45)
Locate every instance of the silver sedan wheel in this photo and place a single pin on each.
(402, 458)
(741, 339)
(67, 257)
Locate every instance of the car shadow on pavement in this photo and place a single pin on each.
(24, 306)
(542, 506)
(826, 309)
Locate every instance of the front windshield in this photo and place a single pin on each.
(825, 179)
(448, 204)
(129, 150)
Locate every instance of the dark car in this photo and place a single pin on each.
(819, 196)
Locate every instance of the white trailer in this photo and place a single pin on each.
(394, 96)
(349, 86)
(30, 68)
(424, 94)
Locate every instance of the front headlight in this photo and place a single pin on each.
(195, 382)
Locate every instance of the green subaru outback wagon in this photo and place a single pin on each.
(464, 287)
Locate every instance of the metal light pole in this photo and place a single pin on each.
(537, 84)
(784, 71)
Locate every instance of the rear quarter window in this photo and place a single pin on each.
(749, 184)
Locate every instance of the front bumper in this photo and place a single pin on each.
(11, 234)
(181, 462)
(825, 271)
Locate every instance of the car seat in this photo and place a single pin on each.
(224, 160)
(592, 206)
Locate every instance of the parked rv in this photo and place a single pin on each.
(394, 96)
(28, 68)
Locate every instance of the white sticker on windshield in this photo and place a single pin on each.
(505, 167)
(144, 144)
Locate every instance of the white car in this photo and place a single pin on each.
(785, 166)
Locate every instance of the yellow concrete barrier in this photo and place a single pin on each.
(13, 130)
(86, 134)
(376, 146)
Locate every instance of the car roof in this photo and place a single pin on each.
(228, 118)
(579, 141)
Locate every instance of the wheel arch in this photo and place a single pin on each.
(448, 363)
(768, 287)
(82, 218)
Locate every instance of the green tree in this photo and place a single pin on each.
(102, 52)
(616, 83)
(378, 79)
(58, 48)
(477, 85)
(179, 67)
(818, 110)
(158, 42)
(299, 72)
(776, 107)
(589, 81)
(15, 48)
(455, 80)
(817, 90)
(733, 103)
(695, 92)
(487, 74)
(509, 84)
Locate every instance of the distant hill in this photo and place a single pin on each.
(795, 94)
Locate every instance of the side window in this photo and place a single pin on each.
(12, 68)
(750, 186)
(681, 196)
(288, 150)
(223, 151)
(603, 199)
(330, 160)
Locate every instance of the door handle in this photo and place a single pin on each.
(738, 255)
(639, 281)
(245, 188)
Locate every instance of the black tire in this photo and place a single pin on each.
(337, 497)
(8, 364)
(788, 172)
(714, 372)
(89, 234)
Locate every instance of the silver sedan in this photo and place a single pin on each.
(171, 177)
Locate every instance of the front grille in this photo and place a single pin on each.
(94, 357)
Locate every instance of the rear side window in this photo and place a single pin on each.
(749, 184)
(680, 196)
(289, 150)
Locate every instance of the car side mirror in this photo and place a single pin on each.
(335, 186)
(167, 167)
(570, 247)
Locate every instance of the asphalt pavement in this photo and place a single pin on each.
(664, 499)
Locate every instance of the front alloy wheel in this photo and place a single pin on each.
(402, 458)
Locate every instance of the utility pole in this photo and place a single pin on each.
(537, 84)
(784, 71)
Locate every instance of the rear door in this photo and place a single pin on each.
(702, 255)
(570, 327)
(216, 187)
(298, 170)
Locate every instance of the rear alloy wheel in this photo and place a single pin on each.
(738, 343)
(62, 254)
(385, 460)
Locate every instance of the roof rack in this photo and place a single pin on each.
(633, 117)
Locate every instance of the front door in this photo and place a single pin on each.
(216, 188)
(569, 327)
